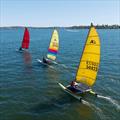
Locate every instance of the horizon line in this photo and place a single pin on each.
(61, 26)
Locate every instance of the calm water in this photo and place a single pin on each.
(29, 90)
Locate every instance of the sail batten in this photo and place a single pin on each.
(91, 53)
(54, 46)
(90, 59)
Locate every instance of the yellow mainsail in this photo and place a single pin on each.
(54, 46)
(90, 60)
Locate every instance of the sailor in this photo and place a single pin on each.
(20, 48)
(79, 86)
(45, 60)
(74, 84)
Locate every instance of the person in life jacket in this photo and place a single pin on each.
(20, 48)
(46, 60)
(79, 87)
(73, 83)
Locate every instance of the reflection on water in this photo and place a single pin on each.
(27, 58)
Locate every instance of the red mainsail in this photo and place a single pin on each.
(26, 39)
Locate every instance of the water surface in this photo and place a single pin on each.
(29, 90)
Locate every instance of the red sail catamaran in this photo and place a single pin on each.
(26, 40)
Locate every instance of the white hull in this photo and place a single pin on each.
(70, 92)
(40, 61)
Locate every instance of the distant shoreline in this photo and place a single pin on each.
(97, 27)
(71, 27)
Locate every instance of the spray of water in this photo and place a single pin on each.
(95, 108)
(86, 103)
(114, 102)
(99, 112)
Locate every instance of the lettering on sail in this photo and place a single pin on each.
(92, 65)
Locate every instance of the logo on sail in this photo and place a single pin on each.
(92, 42)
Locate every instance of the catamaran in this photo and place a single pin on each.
(88, 67)
(25, 41)
(52, 49)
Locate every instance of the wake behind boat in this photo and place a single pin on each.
(25, 41)
(88, 66)
(52, 50)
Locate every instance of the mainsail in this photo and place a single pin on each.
(54, 46)
(26, 39)
(90, 59)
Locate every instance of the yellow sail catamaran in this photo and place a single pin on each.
(88, 66)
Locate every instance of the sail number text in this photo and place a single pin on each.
(92, 65)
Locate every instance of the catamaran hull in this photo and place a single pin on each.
(70, 92)
(21, 51)
(40, 61)
(52, 62)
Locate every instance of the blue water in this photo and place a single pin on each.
(30, 91)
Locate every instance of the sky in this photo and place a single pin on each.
(45, 13)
